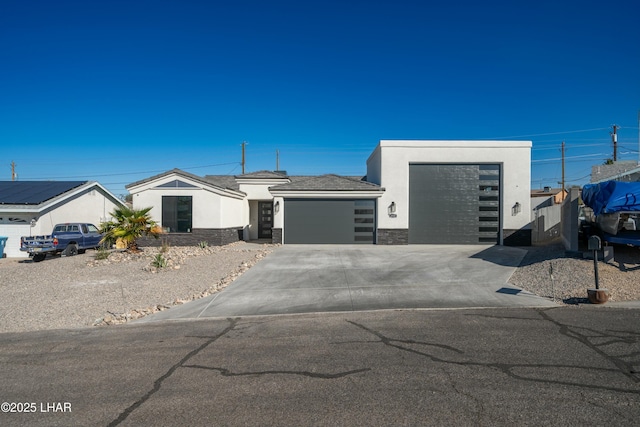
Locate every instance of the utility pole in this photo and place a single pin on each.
(277, 160)
(614, 138)
(243, 144)
(563, 170)
(13, 171)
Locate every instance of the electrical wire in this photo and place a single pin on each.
(568, 157)
(547, 134)
(132, 173)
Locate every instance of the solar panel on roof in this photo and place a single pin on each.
(33, 192)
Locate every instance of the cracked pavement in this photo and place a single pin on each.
(545, 366)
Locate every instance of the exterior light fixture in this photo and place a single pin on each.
(392, 209)
(276, 207)
(515, 210)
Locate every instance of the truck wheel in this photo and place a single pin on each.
(39, 257)
(70, 250)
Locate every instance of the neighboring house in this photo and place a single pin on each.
(547, 197)
(457, 192)
(32, 208)
(628, 171)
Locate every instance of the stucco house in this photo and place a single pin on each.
(547, 197)
(415, 192)
(32, 208)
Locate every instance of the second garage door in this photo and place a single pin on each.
(454, 204)
(344, 221)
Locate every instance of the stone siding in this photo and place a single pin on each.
(213, 236)
(276, 236)
(393, 236)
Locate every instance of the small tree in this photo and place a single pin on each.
(129, 225)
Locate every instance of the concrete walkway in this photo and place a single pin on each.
(326, 278)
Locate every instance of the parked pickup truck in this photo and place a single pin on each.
(67, 239)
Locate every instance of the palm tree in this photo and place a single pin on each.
(128, 226)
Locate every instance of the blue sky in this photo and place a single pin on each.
(117, 91)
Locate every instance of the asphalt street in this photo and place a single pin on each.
(505, 366)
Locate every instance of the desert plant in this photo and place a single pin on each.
(164, 247)
(102, 253)
(159, 261)
(203, 244)
(128, 226)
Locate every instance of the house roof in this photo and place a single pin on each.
(616, 170)
(224, 181)
(546, 193)
(297, 182)
(34, 192)
(181, 173)
(327, 183)
(263, 174)
(230, 181)
(163, 174)
(47, 194)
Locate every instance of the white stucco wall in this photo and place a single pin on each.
(388, 166)
(211, 208)
(13, 230)
(258, 189)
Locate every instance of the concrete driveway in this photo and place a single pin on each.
(324, 278)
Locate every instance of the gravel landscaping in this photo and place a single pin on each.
(83, 291)
(549, 272)
(71, 292)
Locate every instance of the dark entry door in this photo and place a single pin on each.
(265, 219)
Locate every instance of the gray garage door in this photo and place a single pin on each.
(454, 204)
(329, 221)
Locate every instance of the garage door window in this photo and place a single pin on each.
(363, 221)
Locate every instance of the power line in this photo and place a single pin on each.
(550, 133)
(571, 157)
(134, 173)
(571, 146)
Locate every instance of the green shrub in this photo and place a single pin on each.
(102, 253)
(203, 244)
(159, 261)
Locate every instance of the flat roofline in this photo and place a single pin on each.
(443, 143)
(452, 143)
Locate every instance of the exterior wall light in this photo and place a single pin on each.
(515, 210)
(392, 209)
(276, 207)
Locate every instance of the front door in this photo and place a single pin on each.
(265, 219)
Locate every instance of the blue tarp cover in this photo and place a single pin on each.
(612, 196)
